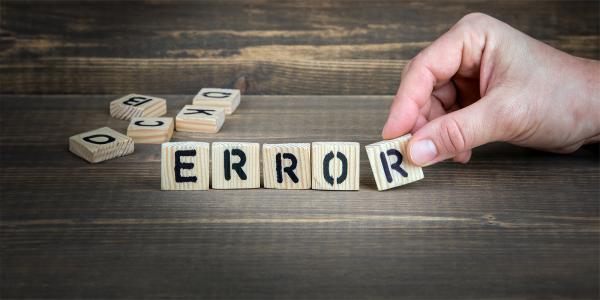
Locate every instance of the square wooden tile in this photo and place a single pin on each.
(136, 105)
(287, 166)
(335, 165)
(235, 165)
(199, 118)
(389, 164)
(228, 99)
(100, 144)
(184, 166)
(150, 130)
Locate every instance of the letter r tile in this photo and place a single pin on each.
(390, 165)
(287, 166)
(235, 165)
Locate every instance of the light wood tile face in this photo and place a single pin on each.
(287, 166)
(335, 165)
(150, 130)
(184, 166)
(200, 118)
(389, 163)
(235, 165)
(228, 99)
(100, 144)
(135, 105)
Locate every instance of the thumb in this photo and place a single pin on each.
(454, 134)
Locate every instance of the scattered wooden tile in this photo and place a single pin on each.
(100, 144)
(389, 164)
(150, 130)
(287, 166)
(235, 165)
(228, 99)
(199, 118)
(135, 105)
(184, 166)
(335, 165)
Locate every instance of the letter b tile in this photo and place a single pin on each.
(184, 166)
(135, 105)
(389, 164)
(335, 165)
(235, 165)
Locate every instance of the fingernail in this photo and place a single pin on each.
(423, 152)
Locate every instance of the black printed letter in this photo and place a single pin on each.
(181, 165)
(216, 94)
(237, 166)
(289, 170)
(395, 166)
(326, 172)
(90, 139)
(195, 111)
(135, 101)
(141, 123)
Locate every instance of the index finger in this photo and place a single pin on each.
(459, 48)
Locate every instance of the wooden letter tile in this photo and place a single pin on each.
(147, 130)
(184, 166)
(286, 166)
(199, 118)
(235, 165)
(389, 164)
(335, 165)
(100, 144)
(134, 105)
(227, 99)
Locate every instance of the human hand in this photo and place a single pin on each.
(485, 81)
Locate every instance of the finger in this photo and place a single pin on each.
(436, 110)
(454, 133)
(433, 67)
(421, 121)
(446, 94)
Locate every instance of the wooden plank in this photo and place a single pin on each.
(279, 47)
(512, 223)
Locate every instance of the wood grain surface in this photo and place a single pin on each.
(513, 223)
(262, 47)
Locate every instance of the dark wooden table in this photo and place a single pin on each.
(513, 223)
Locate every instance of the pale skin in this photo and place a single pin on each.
(484, 81)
